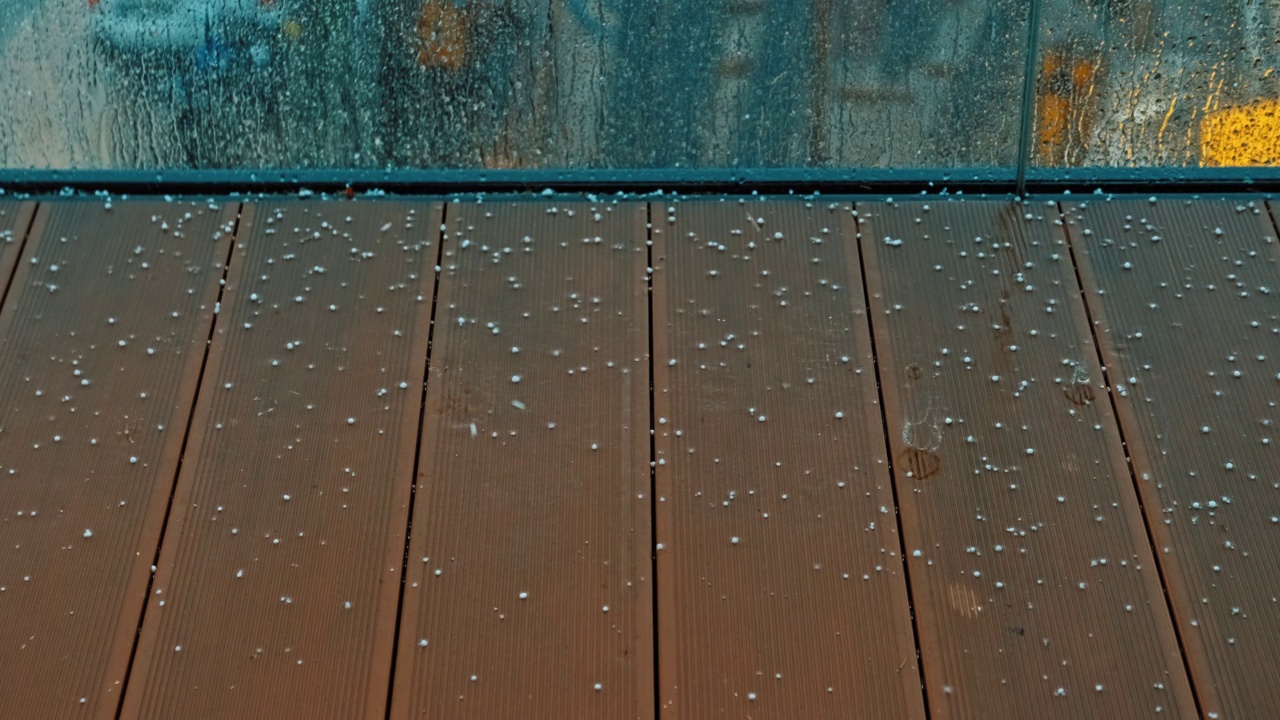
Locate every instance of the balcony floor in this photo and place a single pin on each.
(581, 458)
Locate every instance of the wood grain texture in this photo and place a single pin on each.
(278, 581)
(1036, 591)
(279, 511)
(1186, 298)
(528, 592)
(781, 587)
(101, 339)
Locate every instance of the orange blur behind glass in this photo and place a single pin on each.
(442, 35)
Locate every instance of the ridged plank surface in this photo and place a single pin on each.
(1186, 297)
(279, 576)
(15, 219)
(780, 577)
(529, 570)
(101, 342)
(1036, 593)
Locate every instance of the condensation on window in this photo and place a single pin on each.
(616, 84)
(1161, 83)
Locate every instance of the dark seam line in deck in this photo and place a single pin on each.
(186, 436)
(1271, 212)
(417, 457)
(893, 477)
(22, 246)
(653, 468)
(1128, 461)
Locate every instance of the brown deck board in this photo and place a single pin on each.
(102, 338)
(538, 486)
(278, 581)
(806, 615)
(1035, 590)
(15, 219)
(816, 592)
(1186, 293)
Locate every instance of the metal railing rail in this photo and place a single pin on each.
(797, 181)
(1029, 77)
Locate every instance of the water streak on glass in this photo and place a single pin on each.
(509, 83)
(1163, 83)
(625, 84)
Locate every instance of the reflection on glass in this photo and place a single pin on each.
(1166, 83)
(634, 83)
(509, 83)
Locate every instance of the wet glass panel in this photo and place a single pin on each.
(1158, 83)
(576, 84)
